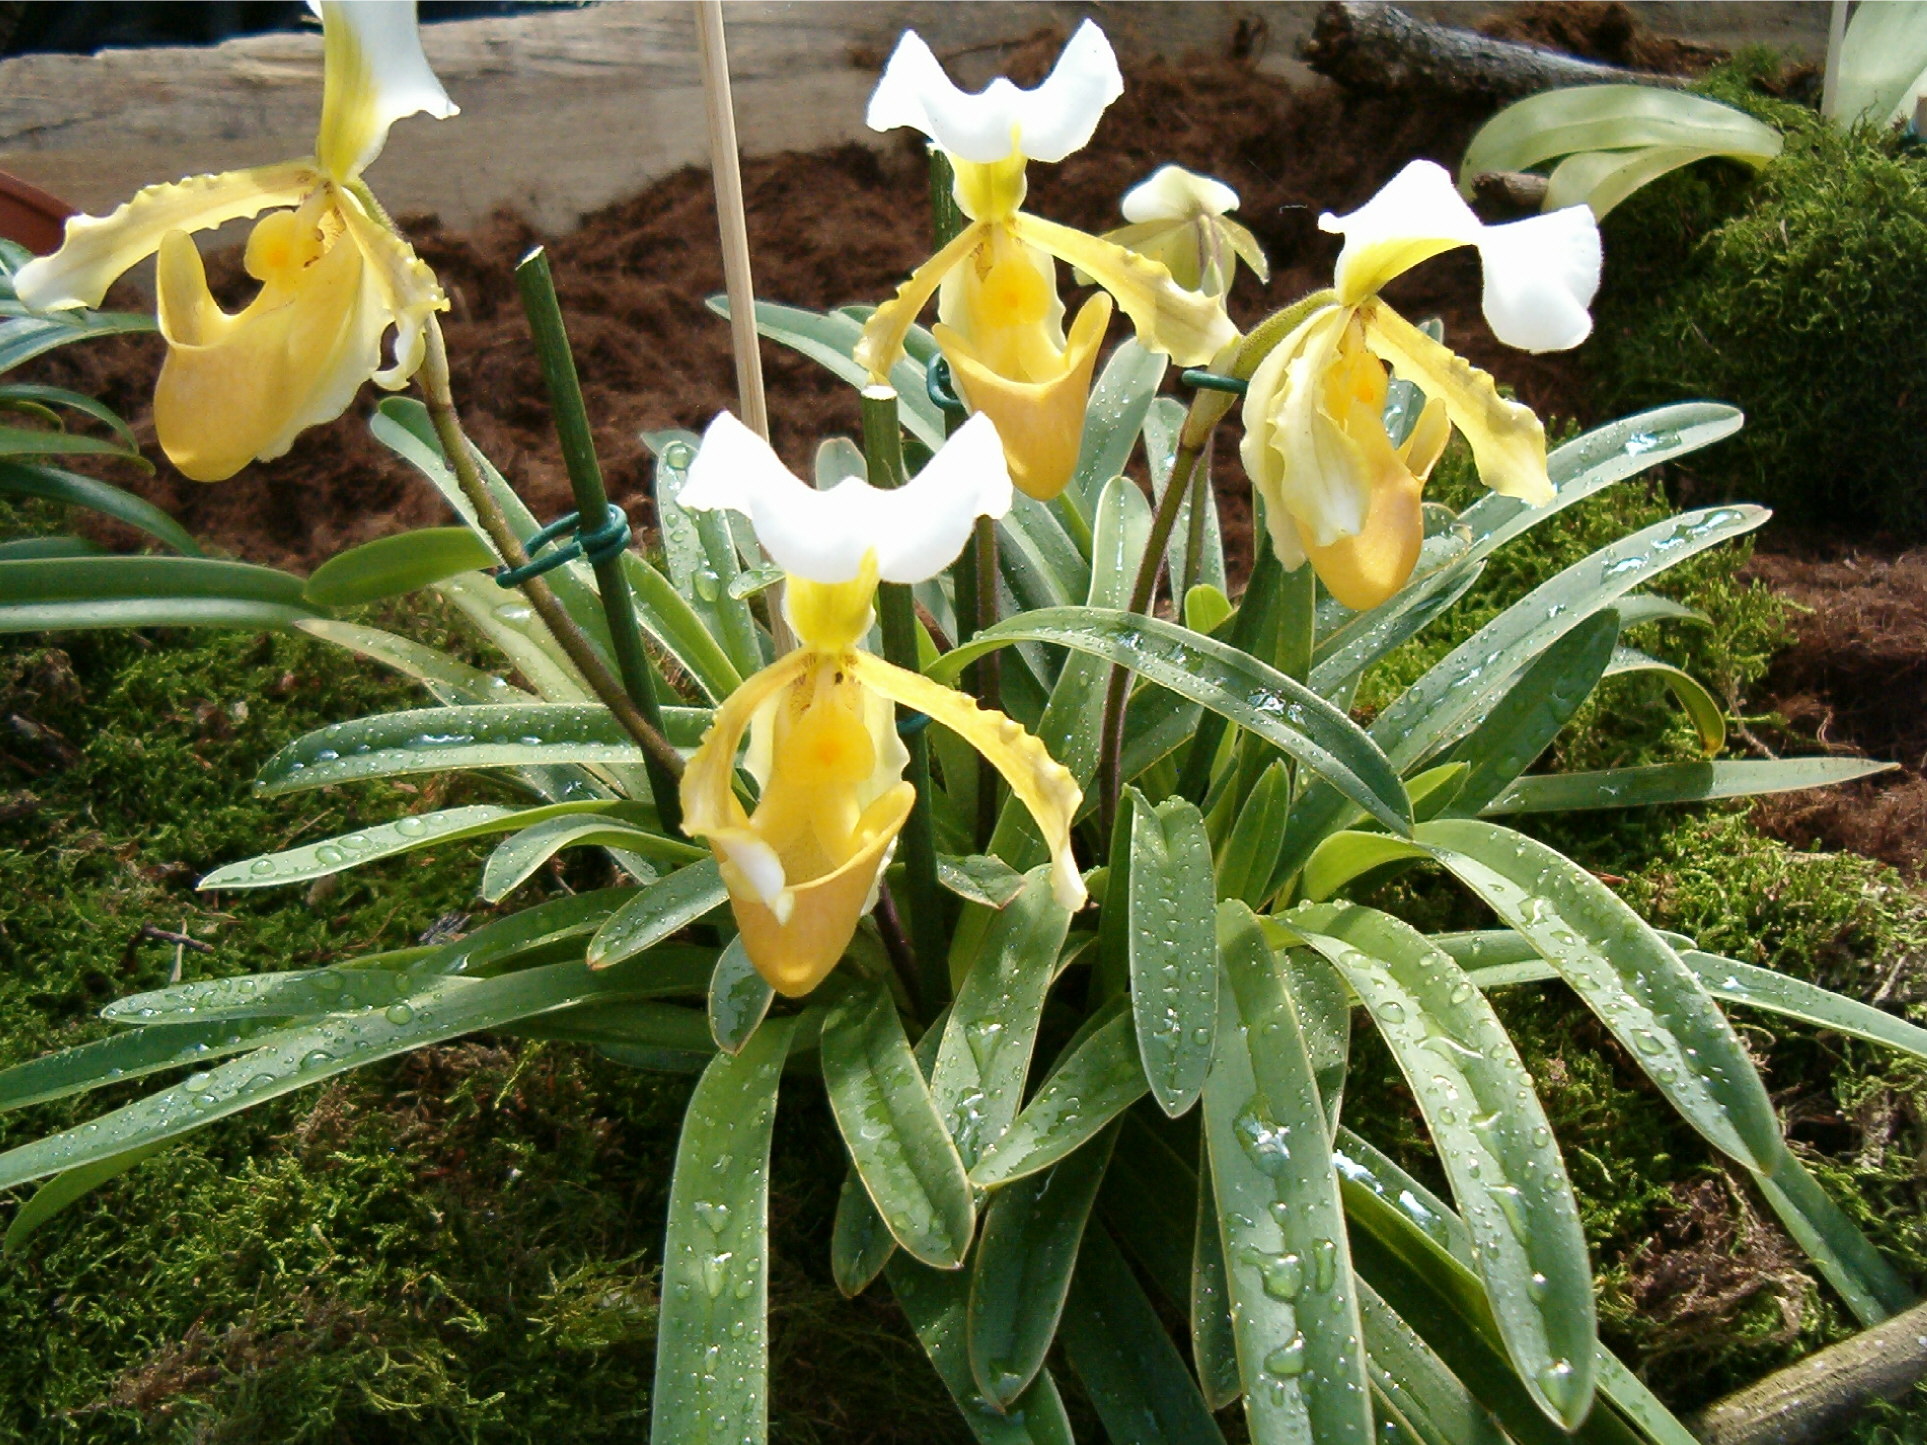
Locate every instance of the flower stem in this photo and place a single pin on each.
(639, 680)
(433, 379)
(896, 609)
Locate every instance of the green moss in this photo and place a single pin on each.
(1794, 296)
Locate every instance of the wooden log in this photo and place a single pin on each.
(1816, 1399)
(1379, 47)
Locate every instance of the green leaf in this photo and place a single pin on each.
(391, 566)
(54, 484)
(985, 1048)
(1293, 1306)
(936, 1304)
(1222, 678)
(1171, 946)
(508, 623)
(1150, 1201)
(739, 998)
(446, 678)
(1116, 1342)
(79, 592)
(23, 338)
(441, 739)
(1346, 856)
(1742, 983)
(1096, 1080)
(125, 1057)
(1251, 849)
(904, 1158)
(658, 910)
(43, 398)
(980, 878)
(860, 1242)
(1413, 1381)
(386, 840)
(22, 441)
(353, 988)
(712, 1345)
(1532, 131)
(668, 617)
(30, 548)
(1882, 59)
(1655, 783)
(1022, 1271)
(517, 859)
(1534, 710)
(506, 940)
(1116, 410)
(1492, 1138)
(442, 1009)
(1602, 179)
(66, 1189)
(1708, 717)
(703, 556)
(1162, 426)
(1214, 1343)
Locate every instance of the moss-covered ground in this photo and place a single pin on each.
(462, 1244)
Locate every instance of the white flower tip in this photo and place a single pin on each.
(1045, 124)
(1541, 275)
(1171, 193)
(915, 530)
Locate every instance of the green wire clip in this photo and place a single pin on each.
(1198, 379)
(609, 540)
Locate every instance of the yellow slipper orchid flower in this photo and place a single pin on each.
(1180, 219)
(1337, 492)
(1000, 319)
(334, 276)
(804, 866)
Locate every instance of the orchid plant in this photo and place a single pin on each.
(1083, 1017)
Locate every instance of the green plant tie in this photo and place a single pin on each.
(942, 389)
(1199, 379)
(606, 542)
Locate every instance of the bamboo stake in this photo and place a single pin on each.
(726, 168)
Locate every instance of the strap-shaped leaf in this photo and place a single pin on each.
(712, 1344)
(1534, 710)
(860, 1242)
(1251, 848)
(1096, 1080)
(904, 1157)
(386, 840)
(703, 552)
(1021, 1274)
(1117, 1344)
(1171, 947)
(1224, 679)
(658, 910)
(306, 992)
(985, 1048)
(1651, 784)
(1162, 425)
(739, 998)
(122, 1058)
(1288, 1270)
(1708, 717)
(65, 1190)
(936, 1304)
(980, 878)
(440, 739)
(1214, 1340)
(1413, 1381)
(518, 858)
(447, 679)
(1150, 1201)
(44, 594)
(24, 337)
(442, 1009)
(55, 484)
(1492, 1137)
(391, 566)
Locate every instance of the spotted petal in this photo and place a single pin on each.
(374, 74)
(97, 249)
(1040, 782)
(914, 531)
(1045, 124)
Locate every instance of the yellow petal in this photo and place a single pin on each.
(240, 388)
(1041, 423)
(709, 802)
(1508, 443)
(1003, 302)
(1189, 327)
(373, 74)
(407, 289)
(795, 952)
(1361, 571)
(97, 249)
(881, 344)
(1041, 783)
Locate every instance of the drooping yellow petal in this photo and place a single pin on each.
(406, 287)
(709, 802)
(1003, 303)
(1041, 783)
(1041, 423)
(881, 344)
(1191, 328)
(373, 74)
(97, 249)
(239, 388)
(1508, 443)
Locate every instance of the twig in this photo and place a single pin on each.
(1380, 47)
(179, 940)
(1817, 1398)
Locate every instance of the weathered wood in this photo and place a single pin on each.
(1816, 1399)
(1380, 47)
